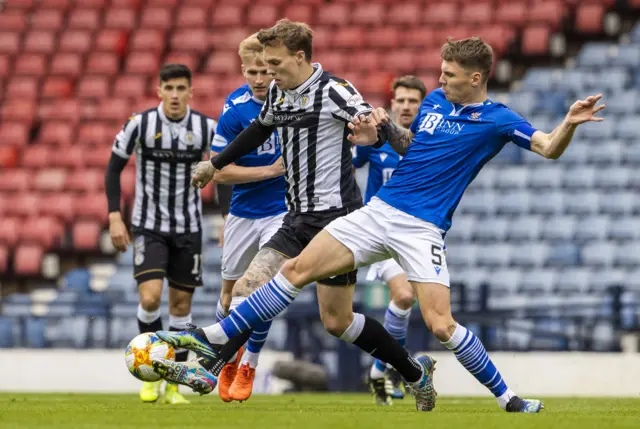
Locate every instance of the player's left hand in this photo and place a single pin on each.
(380, 116)
(584, 110)
(202, 174)
(363, 130)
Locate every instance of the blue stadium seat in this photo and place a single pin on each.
(596, 131)
(632, 154)
(524, 228)
(6, 332)
(623, 103)
(92, 306)
(494, 255)
(212, 280)
(581, 203)
(612, 79)
(485, 179)
(66, 297)
(78, 279)
(595, 54)
(505, 280)
(632, 281)
(598, 254)
(605, 154)
(513, 203)
(212, 256)
(472, 278)
(510, 154)
(582, 177)
(573, 280)
(563, 255)
(123, 280)
(553, 103)
(532, 158)
(542, 122)
(512, 178)
(463, 255)
(18, 298)
(56, 309)
(523, 103)
(605, 278)
(575, 80)
(618, 203)
(12, 309)
(550, 203)
(628, 255)
(490, 229)
(538, 79)
(592, 228)
(529, 255)
(635, 34)
(627, 228)
(462, 228)
(559, 228)
(575, 154)
(35, 330)
(627, 127)
(546, 177)
(125, 259)
(613, 178)
(537, 282)
(477, 203)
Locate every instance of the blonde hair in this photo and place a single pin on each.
(472, 54)
(250, 49)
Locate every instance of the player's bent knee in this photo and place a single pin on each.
(149, 302)
(335, 325)
(403, 297)
(297, 272)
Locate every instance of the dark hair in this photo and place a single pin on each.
(296, 36)
(409, 82)
(174, 71)
(472, 54)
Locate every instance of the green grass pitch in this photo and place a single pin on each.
(302, 411)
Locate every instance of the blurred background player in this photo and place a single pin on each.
(256, 211)
(167, 216)
(385, 382)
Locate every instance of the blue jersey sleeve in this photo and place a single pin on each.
(229, 126)
(513, 128)
(361, 155)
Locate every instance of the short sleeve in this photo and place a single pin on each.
(266, 114)
(229, 126)
(346, 102)
(513, 128)
(361, 155)
(126, 140)
(211, 126)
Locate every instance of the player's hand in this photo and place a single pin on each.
(363, 130)
(380, 116)
(584, 110)
(202, 174)
(118, 232)
(278, 167)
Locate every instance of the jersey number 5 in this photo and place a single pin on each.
(436, 252)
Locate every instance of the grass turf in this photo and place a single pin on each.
(302, 411)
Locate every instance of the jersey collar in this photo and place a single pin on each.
(459, 108)
(310, 81)
(167, 121)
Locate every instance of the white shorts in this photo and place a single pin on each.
(378, 231)
(384, 270)
(242, 239)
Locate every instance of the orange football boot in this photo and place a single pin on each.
(227, 376)
(243, 384)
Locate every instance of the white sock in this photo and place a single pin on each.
(504, 399)
(147, 316)
(236, 301)
(375, 373)
(400, 312)
(251, 358)
(179, 322)
(215, 334)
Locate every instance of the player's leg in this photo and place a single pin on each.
(150, 255)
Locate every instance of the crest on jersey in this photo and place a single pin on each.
(354, 99)
(475, 116)
(189, 137)
(303, 101)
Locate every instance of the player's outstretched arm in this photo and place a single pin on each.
(234, 174)
(398, 137)
(552, 145)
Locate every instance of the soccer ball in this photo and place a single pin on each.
(141, 350)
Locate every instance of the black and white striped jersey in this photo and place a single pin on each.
(311, 121)
(166, 151)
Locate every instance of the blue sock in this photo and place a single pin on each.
(472, 355)
(396, 322)
(220, 313)
(259, 337)
(261, 306)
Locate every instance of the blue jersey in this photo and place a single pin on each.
(258, 199)
(451, 144)
(381, 161)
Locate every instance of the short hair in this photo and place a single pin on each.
(250, 48)
(471, 54)
(174, 71)
(296, 36)
(409, 82)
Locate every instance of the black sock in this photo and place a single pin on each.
(226, 352)
(181, 354)
(154, 326)
(376, 341)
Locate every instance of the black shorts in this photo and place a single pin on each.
(178, 257)
(298, 229)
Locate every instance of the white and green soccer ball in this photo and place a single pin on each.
(141, 350)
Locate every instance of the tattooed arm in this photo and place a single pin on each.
(398, 137)
(264, 266)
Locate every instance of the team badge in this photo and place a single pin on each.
(475, 116)
(303, 101)
(190, 137)
(354, 100)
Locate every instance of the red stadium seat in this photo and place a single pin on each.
(93, 87)
(431, 81)
(63, 110)
(94, 134)
(229, 39)
(205, 85)
(57, 133)
(47, 19)
(24, 205)
(512, 13)
(102, 63)
(189, 60)
(192, 17)
(27, 260)
(21, 110)
(98, 158)
(262, 15)
(50, 180)
(227, 16)
(130, 86)
(430, 61)
(363, 61)
(5, 63)
(60, 206)
(128, 182)
(440, 13)
(8, 156)
(386, 37)
(31, 65)
(129, 4)
(156, 18)
(9, 42)
(477, 13)
(299, 12)
(207, 194)
(36, 156)
(86, 235)
(4, 259)
(92, 205)
(547, 12)
(13, 20)
(16, 180)
(333, 14)
(66, 65)
(148, 40)
(13, 133)
(63, 5)
(589, 18)
(401, 61)
(112, 40)
(122, 19)
(196, 40)
(348, 37)
(23, 5)
(535, 40)
(46, 231)
(145, 63)
(200, 3)
(71, 157)
(97, 4)
(23, 87)
(402, 14)
(117, 110)
(223, 63)
(85, 181)
(498, 36)
(378, 83)
(10, 230)
(42, 42)
(336, 61)
(76, 41)
(57, 87)
(85, 19)
(420, 37)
